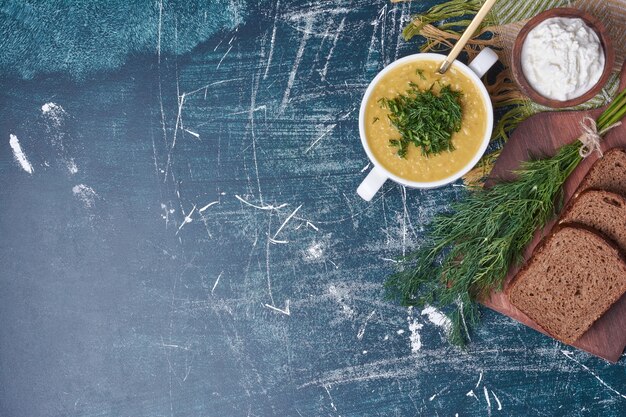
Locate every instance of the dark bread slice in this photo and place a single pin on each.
(573, 277)
(602, 210)
(607, 173)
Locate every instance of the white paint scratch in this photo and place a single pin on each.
(495, 397)
(181, 103)
(220, 63)
(255, 88)
(370, 49)
(480, 378)
(366, 167)
(286, 221)
(347, 114)
(277, 242)
(296, 64)
(471, 394)
(404, 17)
(159, 31)
(19, 155)
(361, 332)
(332, 48)
(312, 226)
(263, 207)
(272, 42)
(390, 260)
(352, 213)
(328, 130)
(488, 400)
(194, 134)
(216, 282)
(163, 125)
(284, 311)
(569, 355)
(187, 219)
(441, 391)
(171, 345)
(267, 261)
(383, 33)
(208, 205)
(256, 109)
(332, 404)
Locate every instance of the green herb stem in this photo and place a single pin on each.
(613, 113)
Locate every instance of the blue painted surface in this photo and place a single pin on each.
(112, 304)
(81, 38)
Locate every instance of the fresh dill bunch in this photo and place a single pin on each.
(424, 119)
(469, 250)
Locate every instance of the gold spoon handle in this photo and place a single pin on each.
(466, 36)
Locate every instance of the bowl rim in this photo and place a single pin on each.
(568, 12)
(485, 140)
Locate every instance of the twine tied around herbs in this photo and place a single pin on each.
(591, 137)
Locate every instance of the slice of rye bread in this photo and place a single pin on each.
(573, 277)
(607, 173)
(601, 210)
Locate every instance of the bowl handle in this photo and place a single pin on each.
(372, 183)
(483, 61)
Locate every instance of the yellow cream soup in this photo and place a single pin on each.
(416, 167)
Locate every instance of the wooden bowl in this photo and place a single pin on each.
(594, 24)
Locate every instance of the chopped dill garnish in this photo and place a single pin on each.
(424, 119)
(420, 72)
(375, 120)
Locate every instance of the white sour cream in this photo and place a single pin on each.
(562, 58)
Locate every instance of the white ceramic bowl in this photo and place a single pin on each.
(378, 175)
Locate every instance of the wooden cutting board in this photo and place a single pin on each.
(543, 134)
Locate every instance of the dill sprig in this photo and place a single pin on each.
(424, 119)
(469, 250)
